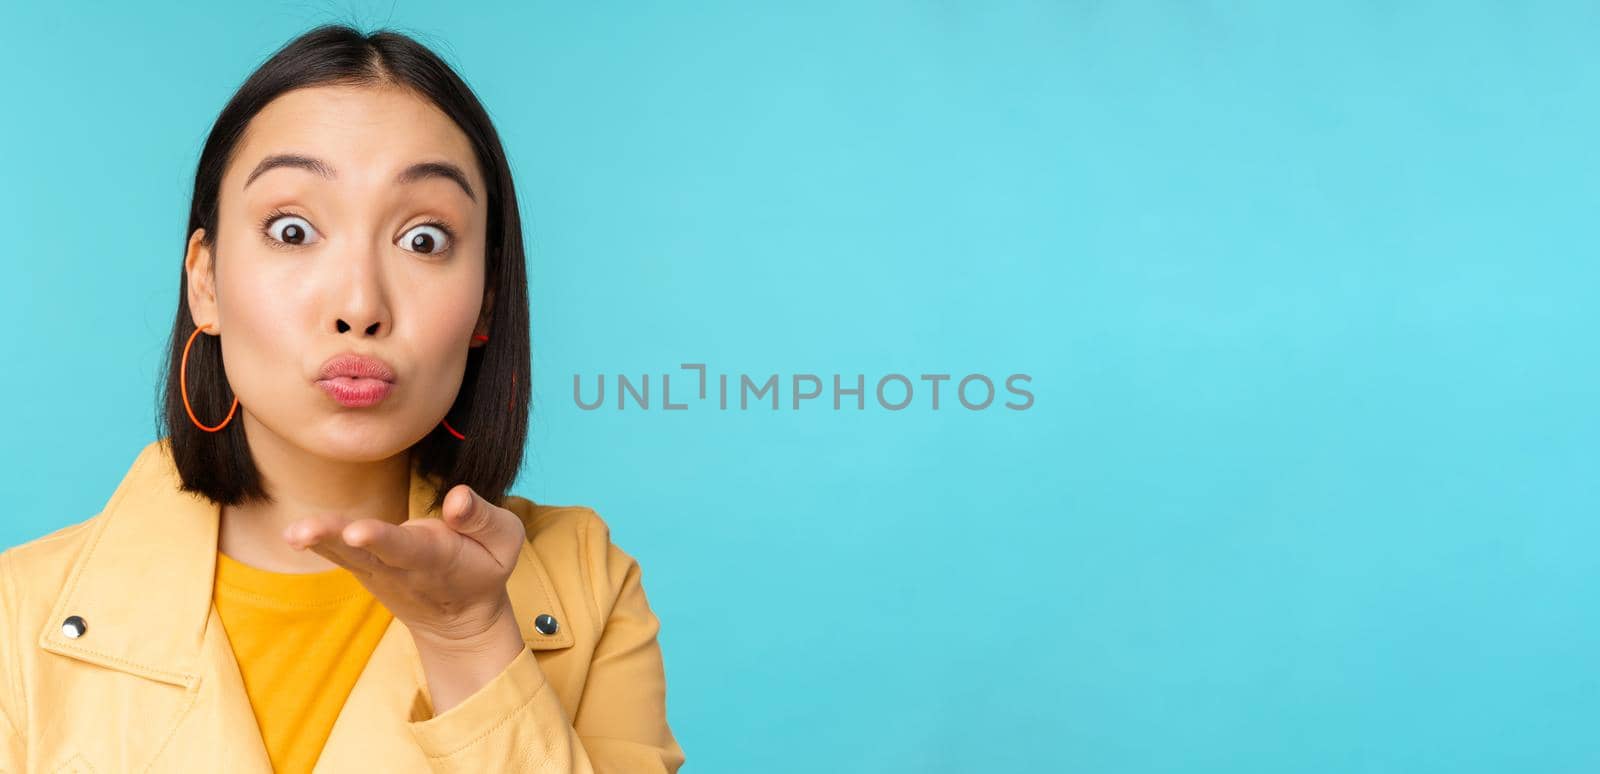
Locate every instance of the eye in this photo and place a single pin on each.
(427, 238)
(288, 229)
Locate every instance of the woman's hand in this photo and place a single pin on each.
(444, 578)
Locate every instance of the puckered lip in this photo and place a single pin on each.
(356, 365)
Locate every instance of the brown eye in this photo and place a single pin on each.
(291, 230)
(428, 239)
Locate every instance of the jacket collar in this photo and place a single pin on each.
(143, 581)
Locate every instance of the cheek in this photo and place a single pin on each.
(442, 338)
(259, 319)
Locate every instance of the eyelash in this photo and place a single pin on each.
(266, 225)
(266, 233)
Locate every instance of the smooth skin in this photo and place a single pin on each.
(345, 249)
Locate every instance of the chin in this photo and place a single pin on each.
(368, 440)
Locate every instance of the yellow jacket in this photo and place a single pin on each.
(151, 685)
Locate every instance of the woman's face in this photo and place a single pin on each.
(330, 240)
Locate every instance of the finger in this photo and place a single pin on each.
(324, 535)
(357, 560)
(312, 529)
(499, 530)
(415, 545)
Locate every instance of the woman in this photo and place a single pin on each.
(317, 567)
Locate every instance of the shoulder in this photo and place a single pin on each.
(45, 561)
(574, 544)
(32, 574)
(546, 522)
(562, 533)
(560, 527)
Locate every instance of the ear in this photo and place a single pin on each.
(201, 278)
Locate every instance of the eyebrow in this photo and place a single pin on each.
(420, 171)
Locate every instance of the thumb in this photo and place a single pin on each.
(466, 512)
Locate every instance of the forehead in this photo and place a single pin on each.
(365, 132)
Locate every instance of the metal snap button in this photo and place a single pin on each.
(546, 624)
(74, 626)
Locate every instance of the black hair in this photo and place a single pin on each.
(218, 465)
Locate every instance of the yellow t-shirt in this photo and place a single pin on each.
(301, 641)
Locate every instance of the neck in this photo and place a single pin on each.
(304, 484)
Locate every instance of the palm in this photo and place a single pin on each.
(442, 577)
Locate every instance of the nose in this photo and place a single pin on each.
(359, 300)
(371, 330)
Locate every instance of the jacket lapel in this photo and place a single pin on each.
(143, 582)
(143, 587)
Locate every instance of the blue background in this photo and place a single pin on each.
(1306, 292)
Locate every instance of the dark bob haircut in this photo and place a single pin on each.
(218, 465)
